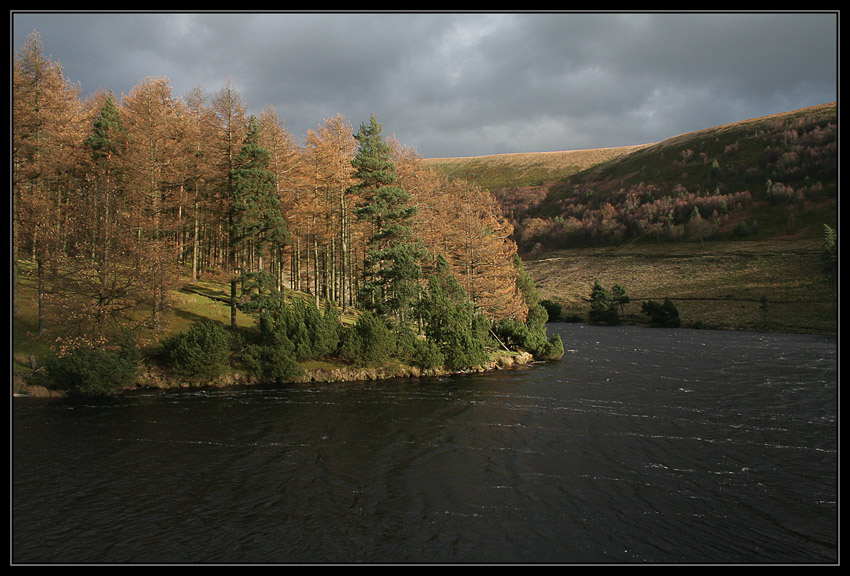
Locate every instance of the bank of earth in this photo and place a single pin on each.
(153, 377)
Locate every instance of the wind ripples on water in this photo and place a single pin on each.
(640, 446)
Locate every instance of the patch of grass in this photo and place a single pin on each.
(524, 169)
(190, 303)
(771, 285)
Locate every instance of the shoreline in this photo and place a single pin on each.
(155, 378)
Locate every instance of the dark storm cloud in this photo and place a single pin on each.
(468, 84)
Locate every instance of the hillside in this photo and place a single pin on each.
(727, 221)
(506, 171)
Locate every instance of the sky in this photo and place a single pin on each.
(468, 83)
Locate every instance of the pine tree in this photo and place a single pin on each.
(603, 306)
(256, 219)
(392, 269)
(451, 321)
(620, 298)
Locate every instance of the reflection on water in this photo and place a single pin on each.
(667, 446)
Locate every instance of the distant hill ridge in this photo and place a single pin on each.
(769, 175)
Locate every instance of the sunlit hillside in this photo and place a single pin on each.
(727, 221)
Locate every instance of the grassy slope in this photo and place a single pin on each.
(769, 285)
(525, 169)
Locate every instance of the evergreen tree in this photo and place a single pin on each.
(829, 259)
(451, 321)
(369, 342)
(530, 335)
(256, 219)
(603, 305)
(108, 266)
(94, 370)
(392, 271)
(664, 315)
(620, 298)
(202, 352)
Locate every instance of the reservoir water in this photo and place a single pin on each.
(639, 446)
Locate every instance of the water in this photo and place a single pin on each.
(640, 446)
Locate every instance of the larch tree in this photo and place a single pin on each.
(153, 120)
(328, 152)
(284, 162)
(106, 261)
(46, 124)
(201, 181)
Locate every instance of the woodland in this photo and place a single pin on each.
(119, 202)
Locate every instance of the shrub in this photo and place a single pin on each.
(369, 342)
(95, 371)
(464, 346)
(311, 332)
(664, 315)
(202, 352)
(552, 350)
(553, 309)
(427, 354)
(603, 305)
(451, 321)
(275, 360)
(516, 334)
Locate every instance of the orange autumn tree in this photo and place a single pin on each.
(47, 120)
(463, 222)
(155, 123)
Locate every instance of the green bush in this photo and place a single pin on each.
(664, 315)
(201, 352)
(275, 360)
(451, 321)
(464, 348)
(552, 350)
(427, 354)
(553, 310)
(603, 304)
(369, 342)
(94, 371)
(311, 332)
(530, 337)
(520, 335)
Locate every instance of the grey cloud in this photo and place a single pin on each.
(469, 84)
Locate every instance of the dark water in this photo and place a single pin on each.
(640, 446)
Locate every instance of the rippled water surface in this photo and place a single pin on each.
(640, 446)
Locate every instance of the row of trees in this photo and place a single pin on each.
(115, 198)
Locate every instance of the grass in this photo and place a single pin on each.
(524, 169)
(767, 285)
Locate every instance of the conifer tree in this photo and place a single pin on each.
(603, 305)
(107, 263)
(46, 115)
(256, 219)
(392, 270)
(451, 321)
